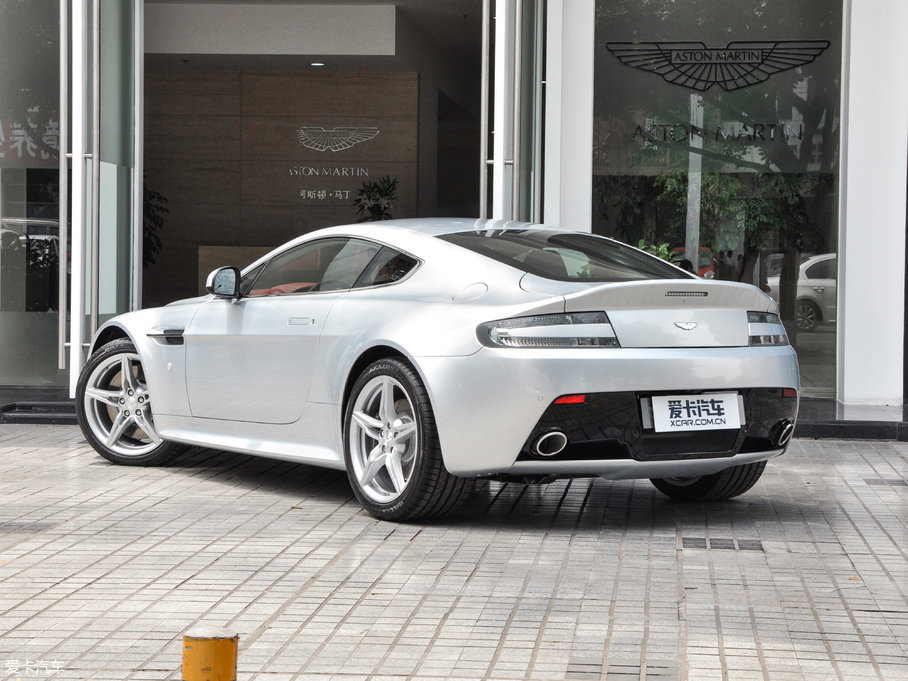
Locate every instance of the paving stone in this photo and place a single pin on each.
(103, 568)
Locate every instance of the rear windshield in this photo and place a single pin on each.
(565, 256)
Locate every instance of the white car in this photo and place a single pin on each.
(420, 354)
(816, 296)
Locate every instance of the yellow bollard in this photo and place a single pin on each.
(209, 654)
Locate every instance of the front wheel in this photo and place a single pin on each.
(723, 485)
(391, 447)
(114, 404)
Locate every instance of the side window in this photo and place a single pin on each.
(323, 265)
(248, 280)
(386, 268)
(346, 266)
(825, 269)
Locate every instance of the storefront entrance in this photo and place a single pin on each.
(251, 143)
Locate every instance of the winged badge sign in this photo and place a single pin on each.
(737, 65)
(335, 139)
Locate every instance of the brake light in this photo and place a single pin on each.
(571, 399)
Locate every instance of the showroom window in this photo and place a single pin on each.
(716, 133)
(29, 193)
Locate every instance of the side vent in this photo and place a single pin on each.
(168, 336)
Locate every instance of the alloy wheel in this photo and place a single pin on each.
(117, 406)
(383, 439)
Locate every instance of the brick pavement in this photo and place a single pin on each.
(102, 569)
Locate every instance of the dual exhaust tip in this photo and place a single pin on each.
(553, 442)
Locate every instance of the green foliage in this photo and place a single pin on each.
(659, 250)
(374, 200)
(719, 200)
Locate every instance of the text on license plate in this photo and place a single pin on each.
(713, 411)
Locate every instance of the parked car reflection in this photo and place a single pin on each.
(29, 264)
(816, 296)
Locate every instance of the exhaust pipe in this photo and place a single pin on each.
(785, 433)
(550, 444)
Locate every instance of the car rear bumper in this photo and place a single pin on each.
(629, 469)
(489, 405)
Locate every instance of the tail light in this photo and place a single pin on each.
(574, 330)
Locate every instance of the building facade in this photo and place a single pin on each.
(766, 144)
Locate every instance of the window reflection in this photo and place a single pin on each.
(716, 132)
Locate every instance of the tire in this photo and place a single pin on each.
(723, 485)
(807, 315)
(115, 415)
(391, 449)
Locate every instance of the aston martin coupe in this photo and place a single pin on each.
(419, 355)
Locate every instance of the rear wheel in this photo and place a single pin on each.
(113, 404)
(723, 485)
(807, 315)
(391, 447)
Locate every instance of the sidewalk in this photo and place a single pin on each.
(102, 569)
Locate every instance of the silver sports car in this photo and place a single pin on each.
(419, 355)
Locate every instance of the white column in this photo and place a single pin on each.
(871, 285)
(569, 113)
(138, 171)
(503, 111)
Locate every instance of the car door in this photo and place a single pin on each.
(821, 280)
(251, 359)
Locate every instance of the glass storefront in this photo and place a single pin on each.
(29, 192)
(716, 139)
(34, 251)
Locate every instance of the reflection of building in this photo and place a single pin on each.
(205, 102)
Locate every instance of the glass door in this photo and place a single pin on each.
(105, 252)
(30, 239)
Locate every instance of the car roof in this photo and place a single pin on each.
(441, 226)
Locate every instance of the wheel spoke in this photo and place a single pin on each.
(117, 429)
(108, 397)
(386, 409)
(146, 425)
(374, 464)
(404, 432)
(127, 378)
(370, 426)
(395, 471)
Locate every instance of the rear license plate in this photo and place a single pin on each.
(714, 411)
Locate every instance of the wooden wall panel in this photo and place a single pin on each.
(269, 182)
(225, 151)
(192, 93)
(382, 95)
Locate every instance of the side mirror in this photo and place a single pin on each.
(224, 282)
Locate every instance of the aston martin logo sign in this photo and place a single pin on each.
(335, 139)
(698, 67)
